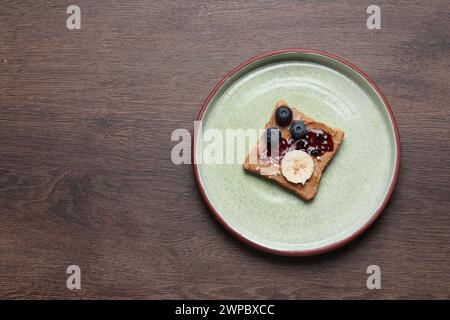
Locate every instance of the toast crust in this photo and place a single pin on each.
(272, 171)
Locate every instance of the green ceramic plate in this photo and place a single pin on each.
(356, 185)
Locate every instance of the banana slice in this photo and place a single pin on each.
(297, 166)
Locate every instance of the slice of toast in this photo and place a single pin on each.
(272, 171)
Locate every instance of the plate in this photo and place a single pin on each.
(355, 187)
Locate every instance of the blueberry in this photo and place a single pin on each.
(298, 129)
(273, 135)
(283, 116)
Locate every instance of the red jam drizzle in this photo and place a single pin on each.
(316, 142)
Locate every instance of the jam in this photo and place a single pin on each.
(316, 142)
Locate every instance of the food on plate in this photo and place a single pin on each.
(294, 150)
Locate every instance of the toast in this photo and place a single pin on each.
(257, 163)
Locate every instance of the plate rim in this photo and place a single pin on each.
(331, 246)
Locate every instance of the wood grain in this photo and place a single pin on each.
(85, 172)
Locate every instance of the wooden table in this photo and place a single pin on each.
(85, 172)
